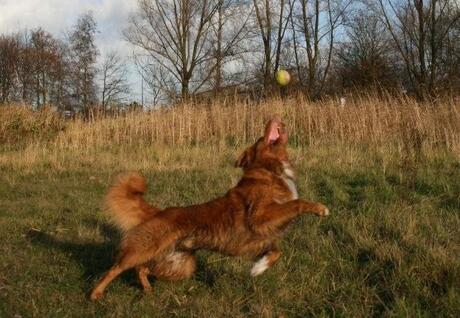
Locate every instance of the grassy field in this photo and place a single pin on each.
(390, 248)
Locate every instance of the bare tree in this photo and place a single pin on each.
(366, 58)
(229, 31)
(418, 29)
(315, 23)
(449, 64)
(84, 55)
(24, 68)
(46, 68)
(114, 82)
(9, 58)
(32, 68)
(158, 84)
(176, 35)
(272, 19)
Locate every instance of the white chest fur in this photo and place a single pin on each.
(288, 178)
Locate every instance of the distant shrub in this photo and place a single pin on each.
(19, 124)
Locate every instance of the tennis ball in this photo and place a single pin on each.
(282, 77)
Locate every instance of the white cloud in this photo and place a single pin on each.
(59, 16)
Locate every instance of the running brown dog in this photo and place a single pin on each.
(248, 221)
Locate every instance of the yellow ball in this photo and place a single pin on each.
(282, 77)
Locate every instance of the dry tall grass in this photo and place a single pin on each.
(396, 122)
(19, 124)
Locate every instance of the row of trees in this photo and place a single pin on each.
(330, 46)
(184, 47)
(39, 69)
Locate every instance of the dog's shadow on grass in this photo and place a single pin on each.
(96, 258)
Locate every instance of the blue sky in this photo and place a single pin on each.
(58, 17)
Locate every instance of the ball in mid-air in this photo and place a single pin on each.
(282, 77)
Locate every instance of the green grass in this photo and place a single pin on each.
(390, 248)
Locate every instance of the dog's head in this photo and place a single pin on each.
(269, 151)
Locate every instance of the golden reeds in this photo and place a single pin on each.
(19, 124)
(365, 120)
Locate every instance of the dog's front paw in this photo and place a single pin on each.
(147, 289)
(96, 295)
(259, 267)
(324, 211)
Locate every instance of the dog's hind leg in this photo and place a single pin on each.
(175, 266)
(142, 272)
(127, 259)
(134, 254)
(98, 291)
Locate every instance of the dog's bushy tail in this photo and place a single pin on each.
(125, 203)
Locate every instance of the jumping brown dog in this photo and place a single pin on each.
(248, 221)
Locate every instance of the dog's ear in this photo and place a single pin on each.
(283, 133)
(242, 160)
(245, 158)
